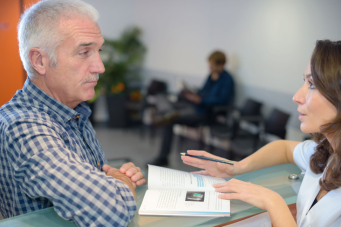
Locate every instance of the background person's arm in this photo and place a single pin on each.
(220, 93)
(44, 167)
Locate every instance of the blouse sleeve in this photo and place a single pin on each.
(302, 154)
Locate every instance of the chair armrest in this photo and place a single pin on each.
(257, 118)
(223, 108)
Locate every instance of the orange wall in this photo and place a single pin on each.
(12, 75)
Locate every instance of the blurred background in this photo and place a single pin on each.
(268, 44)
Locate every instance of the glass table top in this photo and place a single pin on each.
(274, 178)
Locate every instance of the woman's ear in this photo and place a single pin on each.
(38, 60)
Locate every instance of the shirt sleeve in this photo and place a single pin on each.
(43, 166)
(302, 154)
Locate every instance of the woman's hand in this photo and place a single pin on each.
(260, 197)
(255, 195)
(215, 169)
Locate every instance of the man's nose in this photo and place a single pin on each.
(97, 66)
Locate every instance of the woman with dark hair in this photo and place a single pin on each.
(319, 105)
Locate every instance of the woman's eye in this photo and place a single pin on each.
(311, 85)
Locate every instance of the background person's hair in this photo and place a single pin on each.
(38, 27)
(218, 58)
(326, 74)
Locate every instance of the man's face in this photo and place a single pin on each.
(73, 80)
(214, 68)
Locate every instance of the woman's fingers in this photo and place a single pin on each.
(203, 154)
(193, 162)
(196, 152)
(229, 196)
(231, 185)
(202, 172)
(245, 191)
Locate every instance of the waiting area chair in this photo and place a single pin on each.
(274, 124)
(250, 112)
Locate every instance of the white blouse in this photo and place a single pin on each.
(327, 211)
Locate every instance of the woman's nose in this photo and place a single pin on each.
(299, 97)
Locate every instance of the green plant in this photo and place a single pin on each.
(122, 59)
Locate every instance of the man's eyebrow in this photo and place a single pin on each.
(85, 44)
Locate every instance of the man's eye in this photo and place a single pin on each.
(84, 53)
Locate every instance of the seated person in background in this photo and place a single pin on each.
(49, 153)
(318, 200)
(217, 90)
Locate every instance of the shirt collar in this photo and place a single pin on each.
(65, 112)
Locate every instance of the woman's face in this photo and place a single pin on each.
(315, 110)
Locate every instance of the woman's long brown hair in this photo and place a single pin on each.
(326, 74)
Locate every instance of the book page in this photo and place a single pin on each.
(184, 203)
(164, 178)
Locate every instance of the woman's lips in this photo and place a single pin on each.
(301, 116)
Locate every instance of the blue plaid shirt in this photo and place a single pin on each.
(49, 156)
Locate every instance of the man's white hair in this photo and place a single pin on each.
(38, 27)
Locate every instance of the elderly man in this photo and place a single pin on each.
(49, 154)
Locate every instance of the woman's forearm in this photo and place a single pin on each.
(274, 153)
(280, 214)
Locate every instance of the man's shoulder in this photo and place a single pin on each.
(226, 74)
(226, 77)
(24, 109)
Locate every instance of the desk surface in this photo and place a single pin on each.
(274, 178)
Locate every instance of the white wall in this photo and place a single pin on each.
(269, 42)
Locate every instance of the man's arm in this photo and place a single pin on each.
(128, 173)
(220, 93)
(43, 166)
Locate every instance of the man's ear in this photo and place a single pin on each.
(38, 60)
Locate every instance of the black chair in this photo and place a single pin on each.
(274, 124)
(210, 118)
(250, 112)
(155, 87)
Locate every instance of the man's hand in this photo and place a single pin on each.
(193, 97)
(134, 173)
(115, 173)
(129, 170)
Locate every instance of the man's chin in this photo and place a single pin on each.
(90, 96)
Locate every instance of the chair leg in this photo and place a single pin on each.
(201, 139)
(152, 134)
(180, 142)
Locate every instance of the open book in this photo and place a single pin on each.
(178, 193)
